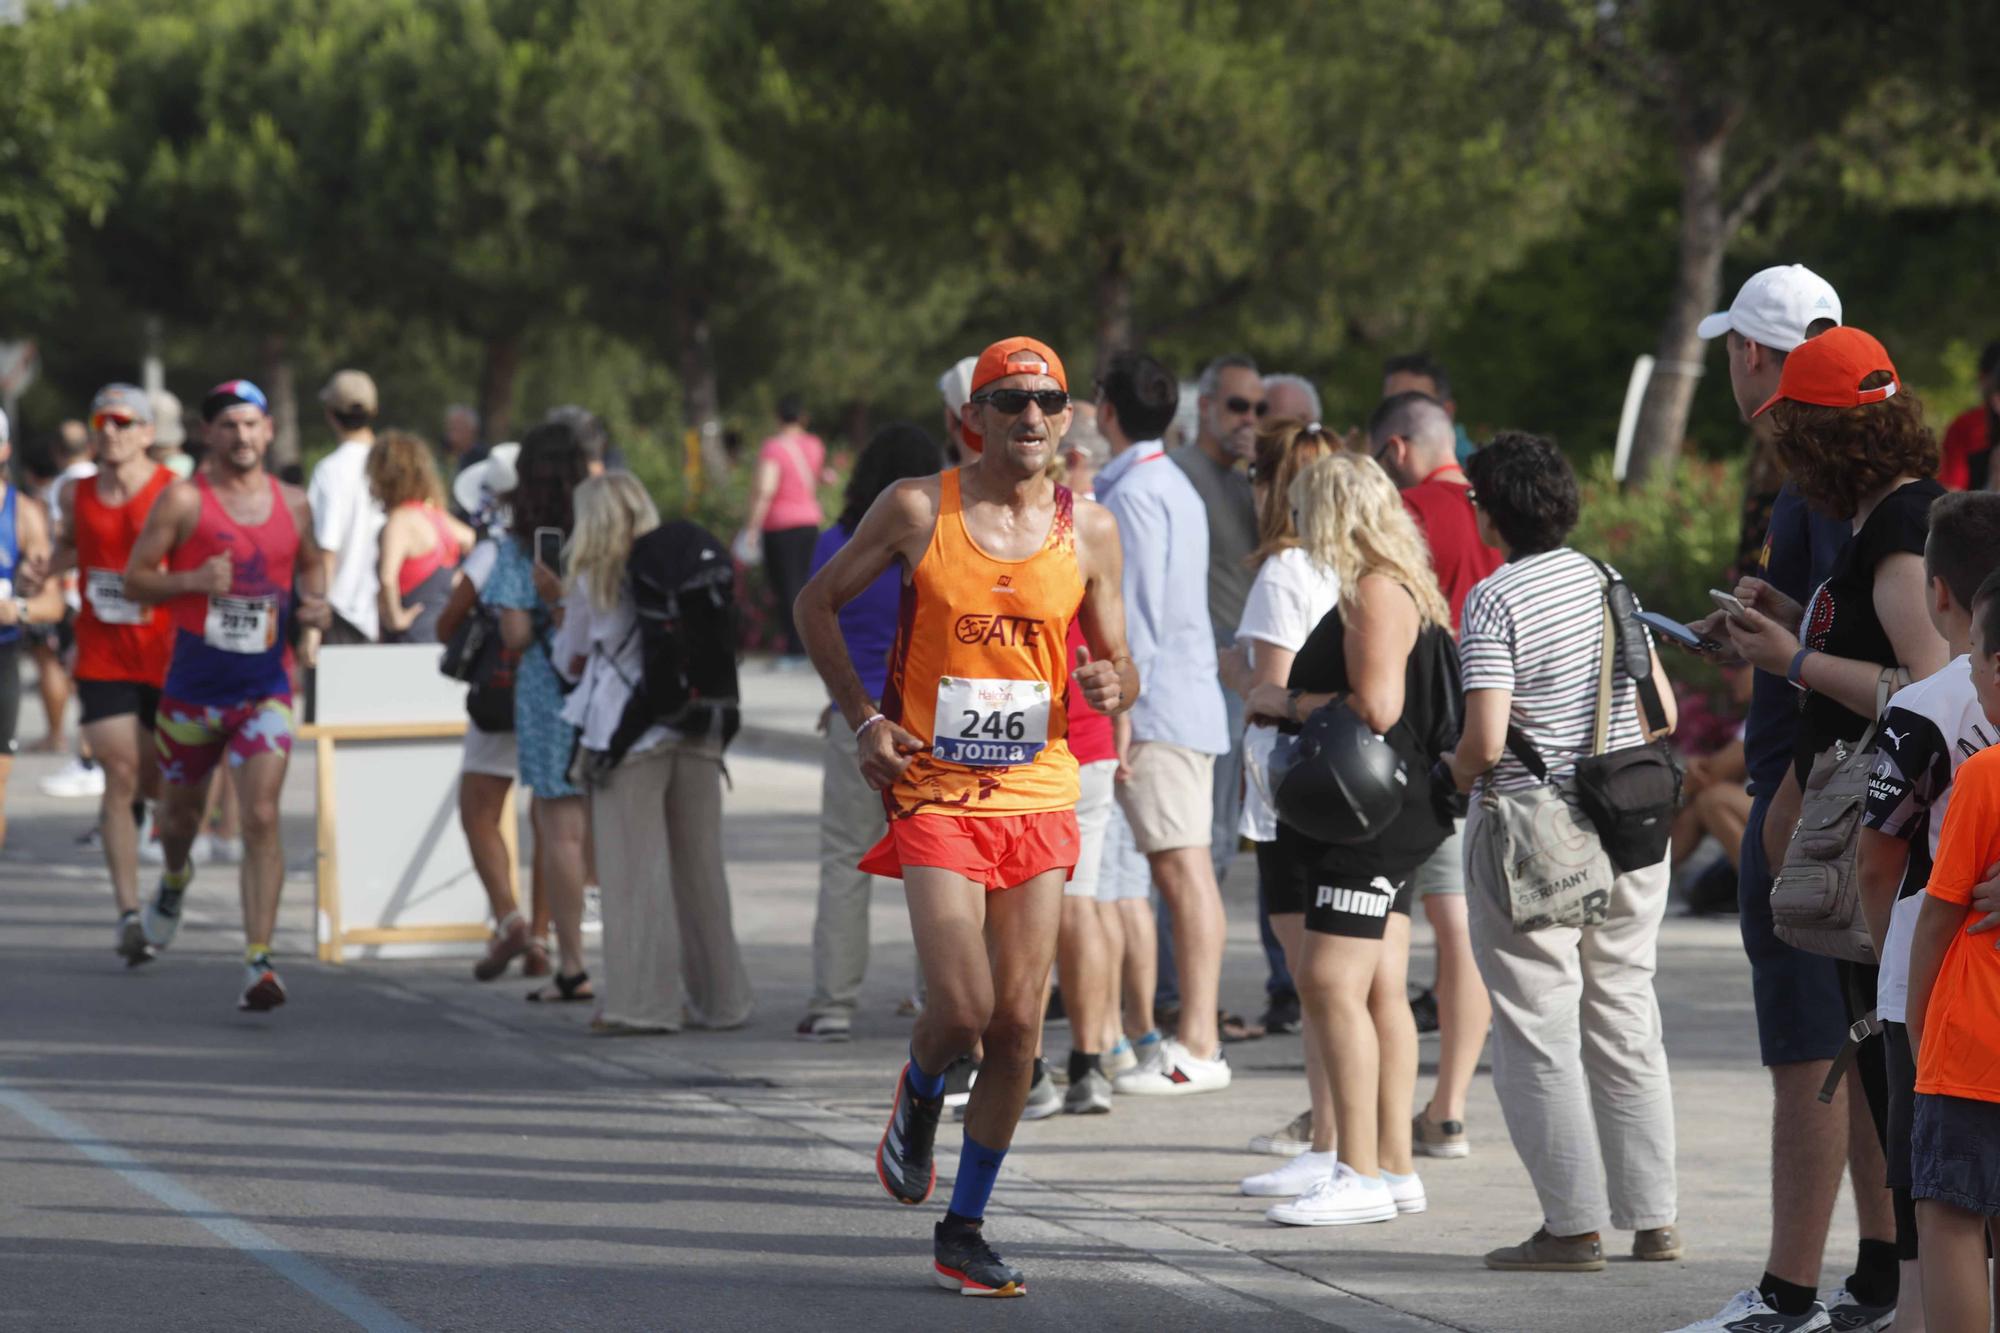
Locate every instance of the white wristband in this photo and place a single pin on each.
(866, 723)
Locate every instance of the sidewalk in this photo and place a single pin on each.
(466, 1160)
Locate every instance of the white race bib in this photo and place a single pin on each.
(990, 723)
(242, 624)
(106, 590)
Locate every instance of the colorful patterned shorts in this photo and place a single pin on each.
(192, 737)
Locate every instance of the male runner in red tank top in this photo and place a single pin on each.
(121, 645)
(234, 541)
(969, 752)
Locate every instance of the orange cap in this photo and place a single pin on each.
(1010, 356)
(1828, 371)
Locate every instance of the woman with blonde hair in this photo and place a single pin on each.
(1378, 655)
(421, 545)
(1291, 593)
(670, 951)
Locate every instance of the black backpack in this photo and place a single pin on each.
(683, 586)
(476, 656)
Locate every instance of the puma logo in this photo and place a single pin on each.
(1895, 738)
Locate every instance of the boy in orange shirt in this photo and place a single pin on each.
(1953, 1017)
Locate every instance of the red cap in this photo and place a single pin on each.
(1828, 371)
(1010, 356)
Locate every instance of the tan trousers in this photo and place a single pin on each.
(851, 820)
(1578, 1060)
(668, 938)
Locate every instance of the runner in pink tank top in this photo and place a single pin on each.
(223, 553)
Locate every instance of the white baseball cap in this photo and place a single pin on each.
(1775, 307)
(955, 385)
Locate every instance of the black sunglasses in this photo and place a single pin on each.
(1015, 401)
(1241, 405)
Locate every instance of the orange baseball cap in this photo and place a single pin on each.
(1012, 356)
(1828, 371)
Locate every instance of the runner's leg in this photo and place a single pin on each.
(119, 745)
(259, 780)
(1020, 943)
(948, 920)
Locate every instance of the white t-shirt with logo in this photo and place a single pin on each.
(1291, 595)
(347, 520)
(1932, 727)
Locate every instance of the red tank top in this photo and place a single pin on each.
(116, 638)
(444, 555)
(261, 558)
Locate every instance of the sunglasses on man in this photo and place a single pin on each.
(112, 421)
(1013, 402)
(1243, 406)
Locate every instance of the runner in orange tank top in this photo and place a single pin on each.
(122, 645)
(969, 749)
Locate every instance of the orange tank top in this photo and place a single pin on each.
(980, 670)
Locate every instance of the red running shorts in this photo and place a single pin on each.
(999, 851)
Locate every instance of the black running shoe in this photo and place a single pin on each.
(959, 1076)
(903, 1161)
(966, 1264)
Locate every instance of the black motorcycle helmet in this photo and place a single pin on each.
(1338, 782)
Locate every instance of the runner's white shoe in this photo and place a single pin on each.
(1342, 1199)
(162, 916)
(132, 946)
(262, 990)
(1173, 1072)
(1292, 1179)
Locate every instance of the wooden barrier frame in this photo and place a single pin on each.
(333, 947)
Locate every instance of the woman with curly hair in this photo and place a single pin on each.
(420, 545)
(1375, 653)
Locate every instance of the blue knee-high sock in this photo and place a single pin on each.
(924, 1085)
(978, 1168)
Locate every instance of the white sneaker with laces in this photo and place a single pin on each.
(1292, 1179)
(1407, 1191)
(1344, 1198)
(1749, 1312)
(1175, 1073)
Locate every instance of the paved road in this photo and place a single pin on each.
(401, 1148)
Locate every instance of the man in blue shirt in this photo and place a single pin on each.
(1179, 726)
(1800, 1000)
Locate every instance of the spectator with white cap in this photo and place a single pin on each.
(347, 519)
(169, 446)
(1799, 1000)
(955, 387)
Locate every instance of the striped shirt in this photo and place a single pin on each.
(1535, 627)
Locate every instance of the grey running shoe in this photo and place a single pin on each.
(1749, 1312)
(965, 1263)
(262, 991)
(163, 915)
(1089, 1095)
(1438, 1138)
(1290, 1141)
(1846, 1314)
(132, 946)
(903, 1161)
(1043, 1099)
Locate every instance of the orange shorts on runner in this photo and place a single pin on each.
(999, 851)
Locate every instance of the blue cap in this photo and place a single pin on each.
(231, 393)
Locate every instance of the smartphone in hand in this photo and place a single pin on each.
(548, 549)
(1729, 602)
(1669, 628)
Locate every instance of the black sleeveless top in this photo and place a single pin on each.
(1321, 668)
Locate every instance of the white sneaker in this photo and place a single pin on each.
(1342, 1199)
(1748, 1312)
(1292, 1179)
(1173, 1073)
(76, 781)
(1119, 1059)
(1407, 1191)
(224, 851)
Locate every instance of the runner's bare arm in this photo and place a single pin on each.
(60, 560)
(1111, 681)
(44, 606)
(897, 527)
(170, 523)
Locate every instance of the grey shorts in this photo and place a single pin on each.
(1094, 804)
(1122, 872)
(1444, 872)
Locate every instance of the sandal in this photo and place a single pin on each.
(1234, 1028)
(569, 990)
(505, 946)
(536, 961)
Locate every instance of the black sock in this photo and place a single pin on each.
(955, 1222)
(1786, 1297)
(139, 812)
(1081, 1064)
(1876, 1279)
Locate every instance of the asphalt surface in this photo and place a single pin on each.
(402, 1148)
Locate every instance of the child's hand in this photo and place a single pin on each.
(1986, 904)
